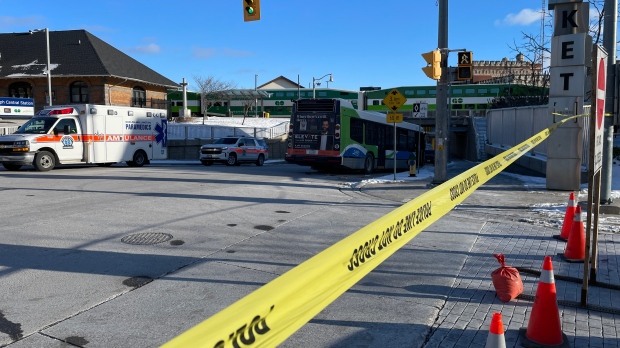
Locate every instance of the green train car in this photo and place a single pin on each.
(279, 103)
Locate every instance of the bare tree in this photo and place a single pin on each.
(212, 90)
(535, 49)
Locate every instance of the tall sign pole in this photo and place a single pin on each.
(442, 118)
(597, 116)
(610, 23)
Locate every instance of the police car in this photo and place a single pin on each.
(234, 150)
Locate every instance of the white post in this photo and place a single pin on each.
(185, 109)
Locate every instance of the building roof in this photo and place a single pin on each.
(73, 53)
(280, 82)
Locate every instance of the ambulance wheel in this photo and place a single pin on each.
(139, 159)
(44, 161)
(261, 160)
(369, 163)
(11, 167)
(232, 159)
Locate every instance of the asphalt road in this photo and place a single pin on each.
(132, 257)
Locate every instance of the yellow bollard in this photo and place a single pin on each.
(412, 164)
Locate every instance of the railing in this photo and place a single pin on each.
(8, 130)
(149, 103)
(199, 131)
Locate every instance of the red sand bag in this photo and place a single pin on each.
(506, 280)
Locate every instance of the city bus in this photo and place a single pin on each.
(331, 133)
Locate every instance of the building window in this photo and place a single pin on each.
(20, 90)
(79, 92)
(139, 97)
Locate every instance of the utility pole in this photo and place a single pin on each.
(610, 23)
(442, 118)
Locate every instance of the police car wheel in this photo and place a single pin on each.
(44, 161)
(232, 159)
(260, 160)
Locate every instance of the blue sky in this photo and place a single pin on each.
(362, 43)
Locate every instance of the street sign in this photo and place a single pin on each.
(394, 100)
(420, 110)
(394, 118)
(598, 106)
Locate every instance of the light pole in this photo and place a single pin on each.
(255, 99)
(315, 80)
(49, 73)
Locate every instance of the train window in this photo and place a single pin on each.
(470, 91)
(482, 106)
(421, 91)
(432, 91)
(179, 103)
(494, 90)
(279, 94)
(482, 90)
(375, 102)
(409, 92)
(290, 94)
(457, 106)
(344, 93)
(457, 91)
(470, 106)
(322, 94)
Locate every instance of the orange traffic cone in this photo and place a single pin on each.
(576, 246)
(496, 339)
(568, 218)
(544, 327)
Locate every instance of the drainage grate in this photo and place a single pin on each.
(146, 238)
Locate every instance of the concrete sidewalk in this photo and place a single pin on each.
(512, 228)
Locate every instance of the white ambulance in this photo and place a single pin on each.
(87, 134)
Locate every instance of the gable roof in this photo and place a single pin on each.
(280, 82)
(72, 53)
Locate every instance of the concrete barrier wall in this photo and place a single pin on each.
(188, 149)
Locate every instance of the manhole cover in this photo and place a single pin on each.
(146, 238)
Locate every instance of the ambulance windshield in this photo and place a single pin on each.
(37, 125)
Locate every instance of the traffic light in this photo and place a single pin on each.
(464, 71)
(251, 10)
(433, 69)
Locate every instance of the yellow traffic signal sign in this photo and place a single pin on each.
(433, 69)
(251, 10)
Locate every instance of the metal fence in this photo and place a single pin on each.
(8, 130)
(199, 131)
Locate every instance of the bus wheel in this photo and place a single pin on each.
(369, 163)
(44, 161)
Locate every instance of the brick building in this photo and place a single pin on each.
(84, 69)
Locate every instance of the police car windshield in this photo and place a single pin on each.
(225, 141)
(36, 125)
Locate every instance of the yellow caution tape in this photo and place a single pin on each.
(272, 313)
